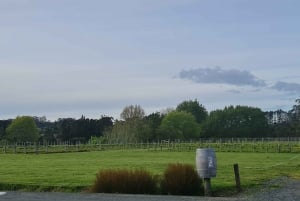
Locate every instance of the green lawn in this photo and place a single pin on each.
(71, 170)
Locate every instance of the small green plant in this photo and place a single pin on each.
(124, 181)
(181, 179)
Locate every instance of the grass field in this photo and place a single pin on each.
(74, 171)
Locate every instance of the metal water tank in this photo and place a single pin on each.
(206, 163)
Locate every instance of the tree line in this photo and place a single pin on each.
(64, 129)
(189, 120)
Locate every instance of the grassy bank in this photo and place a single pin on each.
(76, 171)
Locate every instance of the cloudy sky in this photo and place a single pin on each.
(67, 58)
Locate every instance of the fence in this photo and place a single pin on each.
(262, 145)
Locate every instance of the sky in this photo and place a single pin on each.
(67, 58)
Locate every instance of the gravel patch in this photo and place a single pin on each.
(279, 189)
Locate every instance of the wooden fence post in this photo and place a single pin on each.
(237, 177)
(207, 187)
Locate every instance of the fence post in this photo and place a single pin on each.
(207, 187)
(237, 177)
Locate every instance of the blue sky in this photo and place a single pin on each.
(67, 58)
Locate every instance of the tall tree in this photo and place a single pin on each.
(22, 129)
(3, 125)
(195, 108)
(179, 125)
(295, 111)
(239, 121)
(121, 133)
(131, 128)
(132, 112)
(294, 114)
(65, 127)
(104, 124)
(153, 122)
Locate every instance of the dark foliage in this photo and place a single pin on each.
(195, 108)
(238, 121)
(153, 121)
(3, 125)
(82, 130)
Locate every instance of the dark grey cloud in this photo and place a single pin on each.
(218, 75)
(287, 87)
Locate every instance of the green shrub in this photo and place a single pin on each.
(181, 179)
(124, 181)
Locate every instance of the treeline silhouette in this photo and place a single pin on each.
(171, 124)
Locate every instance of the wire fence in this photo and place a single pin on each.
(257, 145)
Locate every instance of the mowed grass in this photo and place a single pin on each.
(78, 170)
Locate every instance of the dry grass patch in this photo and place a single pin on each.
(124, 181)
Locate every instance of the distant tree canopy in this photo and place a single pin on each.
(82, 129)
(239, 121)
(22, 129)
(189, 120)
(179, 125)
(195, 108)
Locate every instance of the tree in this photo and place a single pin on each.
(193, 107)
(22, 129)
(132, 112)
(82, 129)
(121, 133)
(3, 125)
(239, 121)
(179, 125)
(153, 122)
(294, 114)
(103, 124)
(132, 128)
(65, 128)
(295, 111)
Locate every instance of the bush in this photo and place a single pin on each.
(124, 181)
(181, 179)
